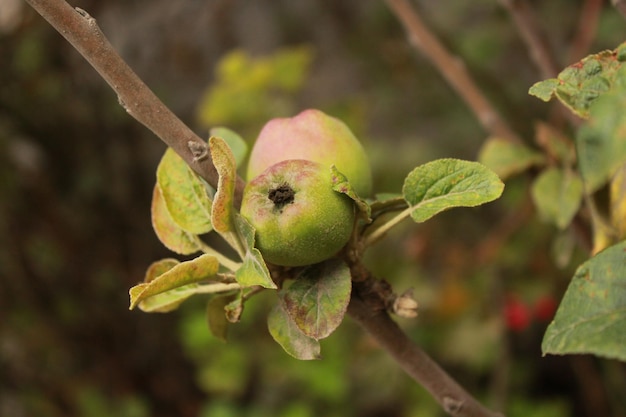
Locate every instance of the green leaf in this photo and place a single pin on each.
(343, 186)
(223, 213)
(253, 271)
(185, 195)
(445, 183)
(578, 85)
(601, 142)
(319, 297)
(507, 158)
(169, 233)
(290, 337)
(592, 314)
(169, 274)
(237, 145)
(557, 195)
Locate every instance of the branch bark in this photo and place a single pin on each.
(83, 33)
(368, 309)
(453, 70)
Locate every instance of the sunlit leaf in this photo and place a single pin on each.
(237, 145)
(601, 142)
(557, 195)
(618, 202)
(446, 183)
(507, 158)
(169, 233)
(204, 267)
(342, 185)
(592, 314)
(223, 213)
(318, 298)
(185, 196)
(578, 85)
(290, 337)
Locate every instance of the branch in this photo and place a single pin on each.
(531, 32)
(368, 309)
(588, 20)
(453, 70)
(82, 31)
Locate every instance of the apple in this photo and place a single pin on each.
(314, 136)
(298, 217)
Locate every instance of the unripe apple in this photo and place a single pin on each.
(314, 136)
(298, 217)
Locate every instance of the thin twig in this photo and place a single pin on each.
(368, 309)
(587, 24)
(533, 36)
(453, 69)
(83, 33)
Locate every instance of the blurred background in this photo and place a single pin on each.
(76, 178)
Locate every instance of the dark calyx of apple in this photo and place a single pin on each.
(281, 195)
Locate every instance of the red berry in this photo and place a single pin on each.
(544, 308)
(517, 315)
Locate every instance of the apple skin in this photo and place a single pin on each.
(298, 217)
(314, 136)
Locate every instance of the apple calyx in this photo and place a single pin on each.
(281, 196)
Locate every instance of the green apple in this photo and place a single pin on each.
(315, 136)
(298, 217)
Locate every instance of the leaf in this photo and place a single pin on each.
(578, 85)
(445, 183)
(185, 195)
(618, 202)
(223, 213)
(253, 271)
(290, 337)
(318, 299)
(169, 233)
(557, 195)
(556, 145)
(507, 158)
(601, 142)
(237, 145)
(199, 269)
(592, 314)
(343, 186)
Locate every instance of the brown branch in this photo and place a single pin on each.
(82, 32)
(588, 19)
(453, 70)
(533, 36)
(367, 308)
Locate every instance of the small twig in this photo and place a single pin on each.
(536, 41)
(453, 69)
(587, 25)
(83, 33)
(368, 309)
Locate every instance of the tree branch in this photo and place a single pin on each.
(453, 70)
(368, 309)
(533, 36)
(83, 33)
(620, 5)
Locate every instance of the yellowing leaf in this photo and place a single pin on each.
(173, 275)
(169, 233)
(290, 337)
(223, 211)
(185, 196)
(618, 202)
(557, 195)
